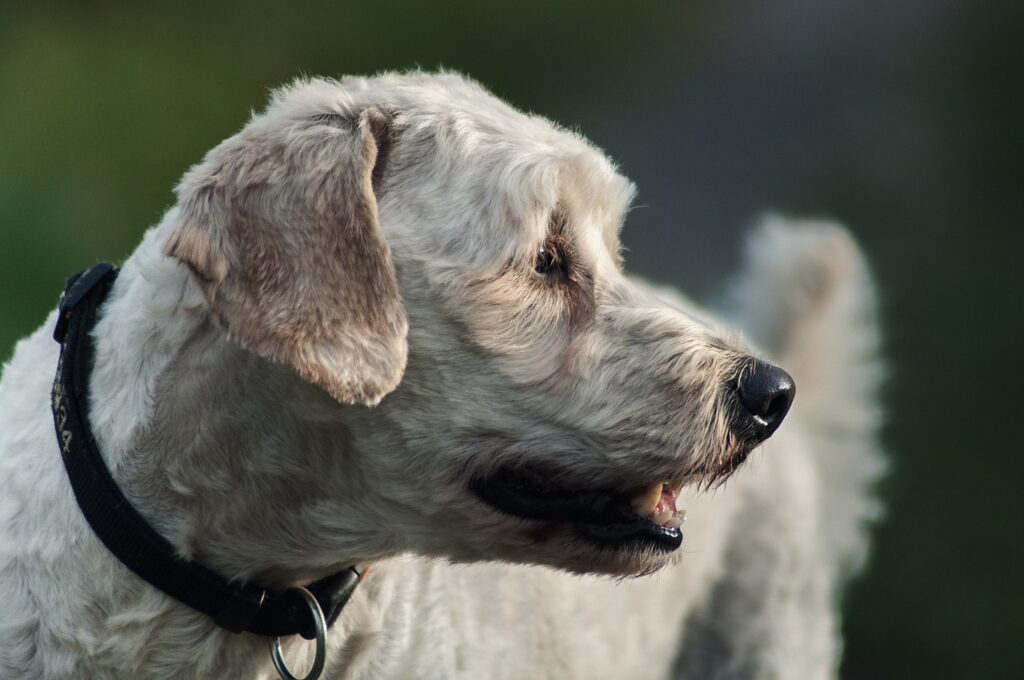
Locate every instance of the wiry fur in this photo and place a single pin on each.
(352, 229)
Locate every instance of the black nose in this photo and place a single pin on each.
(766, 393)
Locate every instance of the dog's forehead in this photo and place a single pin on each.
(464, 152)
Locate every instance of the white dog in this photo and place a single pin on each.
(387, 324)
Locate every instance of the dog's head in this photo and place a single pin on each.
(413, 244)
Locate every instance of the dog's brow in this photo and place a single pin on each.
(558, 222)
(335, 119)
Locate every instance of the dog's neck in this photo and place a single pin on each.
(241, 465)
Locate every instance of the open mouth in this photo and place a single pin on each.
(644, 518)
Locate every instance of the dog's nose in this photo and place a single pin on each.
(766, 393)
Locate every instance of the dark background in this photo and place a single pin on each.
(901, 119)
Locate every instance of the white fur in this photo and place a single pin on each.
(260, 475)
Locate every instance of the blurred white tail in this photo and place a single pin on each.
(806, 296)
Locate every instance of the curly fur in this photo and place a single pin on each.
(372, 241)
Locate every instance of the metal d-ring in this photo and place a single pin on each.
(321, 642)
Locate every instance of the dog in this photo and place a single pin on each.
(387, 324)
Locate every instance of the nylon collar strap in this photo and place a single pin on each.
(234, 606)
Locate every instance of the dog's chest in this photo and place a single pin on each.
(426, 619)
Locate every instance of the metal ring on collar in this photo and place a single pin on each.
(321, 642)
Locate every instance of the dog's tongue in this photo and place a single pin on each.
(658, 504)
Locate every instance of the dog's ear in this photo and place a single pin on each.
(279, 225)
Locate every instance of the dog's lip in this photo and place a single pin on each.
(647, 517)
(638, 533)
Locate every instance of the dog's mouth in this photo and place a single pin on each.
(644, 517)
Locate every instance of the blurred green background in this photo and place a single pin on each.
(903, 120)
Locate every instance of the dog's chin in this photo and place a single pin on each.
(582, 555)
(559, 546)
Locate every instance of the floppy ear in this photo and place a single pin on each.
(279, 225)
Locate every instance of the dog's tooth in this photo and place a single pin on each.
(675, 519)
(645, 502)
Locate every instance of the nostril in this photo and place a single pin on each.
(766, 392)
(778, 406)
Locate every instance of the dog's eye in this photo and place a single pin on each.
(548, 261)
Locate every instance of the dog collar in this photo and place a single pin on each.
(234, 606)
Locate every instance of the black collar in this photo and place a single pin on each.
(237, 607)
